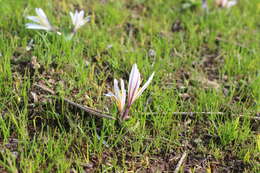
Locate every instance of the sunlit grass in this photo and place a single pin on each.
(203, 62)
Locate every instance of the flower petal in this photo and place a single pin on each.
(116, 89)
(110, 94)
(145, 86)
(41, 13)
(123, 93)
(72, 18)
(36, 26)
(132, 79)
(81, 15)
(33, 18)
(134, 84)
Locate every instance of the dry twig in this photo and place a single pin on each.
(84, 108)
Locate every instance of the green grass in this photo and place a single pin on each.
(210, 63)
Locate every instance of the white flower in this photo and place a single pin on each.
(119, 96)
(78, 19)
(226, 3)
(41, 21)
(134, 91)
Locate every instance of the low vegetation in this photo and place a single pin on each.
(203, 99)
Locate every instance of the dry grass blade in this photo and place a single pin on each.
(184, 155)
(84, 108)
(89, 110)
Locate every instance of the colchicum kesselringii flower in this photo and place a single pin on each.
(226, 3)
(119, 95)
(41, 21)
(134, 91)
(78, 20)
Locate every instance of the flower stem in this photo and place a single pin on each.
(126, 112)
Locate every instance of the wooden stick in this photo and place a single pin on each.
(45, 88)
(184, 155)
(84, 108)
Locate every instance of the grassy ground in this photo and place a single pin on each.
(203, 63)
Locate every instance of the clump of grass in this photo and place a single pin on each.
(233, 131)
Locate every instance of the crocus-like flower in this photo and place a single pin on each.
(119, 95)
(226, 3)
(41, 21)
(78, 19)
(134, 91)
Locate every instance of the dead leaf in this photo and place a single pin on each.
(34, 63)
